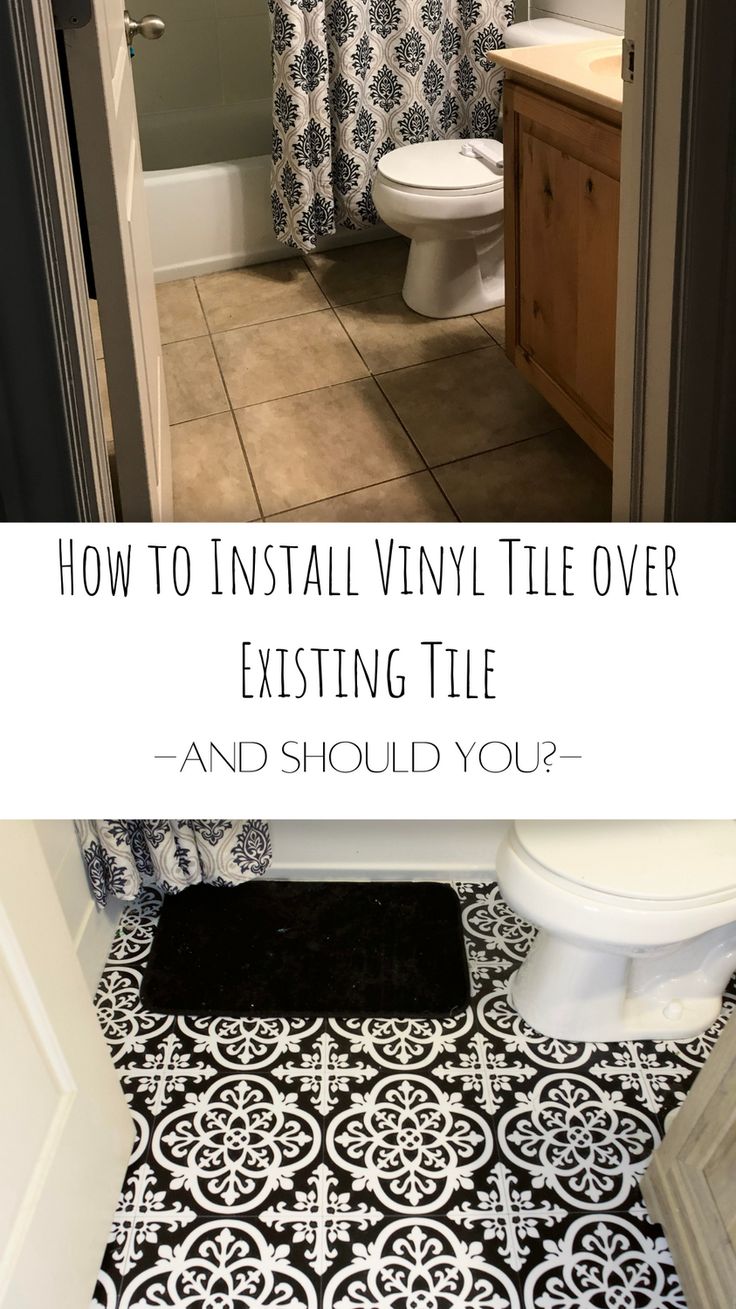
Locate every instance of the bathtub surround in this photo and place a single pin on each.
(395, 1158)
(123, 855)
(204, 92)
(352, 82)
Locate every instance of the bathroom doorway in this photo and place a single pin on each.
(428, 419)
(301, 386)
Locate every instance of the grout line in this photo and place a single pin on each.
(179, 340)
(310, 390)
(261, 322)
(212, 413)
(491, 337)
(440, 488)
(420, 363)
(232, 411)
(443, 492)
(369, 486)
(401, 422)
(471, 350)
(522, 440)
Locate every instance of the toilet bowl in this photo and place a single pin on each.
(637, 925)
(450, 204)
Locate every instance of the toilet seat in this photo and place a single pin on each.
(439, 168)
(647, 865)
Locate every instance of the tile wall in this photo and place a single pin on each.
(204, 89)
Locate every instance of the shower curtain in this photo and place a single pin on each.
(353, 79)
(123, 854)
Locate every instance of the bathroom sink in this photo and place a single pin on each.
(609, 66)
(589, 69)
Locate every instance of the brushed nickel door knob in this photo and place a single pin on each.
(150, 27)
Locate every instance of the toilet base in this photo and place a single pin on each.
(447, 279)
(576, 993)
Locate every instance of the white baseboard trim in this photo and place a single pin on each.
(385, 851)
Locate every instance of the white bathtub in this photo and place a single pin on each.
(214, 216)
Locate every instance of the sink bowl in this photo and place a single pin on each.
(608, 66)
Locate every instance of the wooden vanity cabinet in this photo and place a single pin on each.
(562, 171)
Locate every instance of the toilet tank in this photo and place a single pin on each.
(549, 31)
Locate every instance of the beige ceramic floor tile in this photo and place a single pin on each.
(467, 404)
(179, 311)
(270, 360)
(211, 482)
(94, 318)
(390, 335)
(357, 272)
(552, 478)
(193, 381)
(259, 293)
(413, 499)
(320, 444)
(494, 323)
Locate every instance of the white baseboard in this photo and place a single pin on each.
(352, 850)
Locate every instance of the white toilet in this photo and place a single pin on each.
(637, 925)
(451, 205)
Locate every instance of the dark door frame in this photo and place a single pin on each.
(53, 462)
(674, 450)
(702, 437)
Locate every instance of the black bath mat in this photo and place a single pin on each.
(272, 948)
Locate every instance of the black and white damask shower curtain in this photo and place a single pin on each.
(354, 79)
(122, 855)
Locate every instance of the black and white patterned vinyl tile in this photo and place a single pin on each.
(466, 1163)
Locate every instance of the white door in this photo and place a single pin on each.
(104, 110)
(65, 1130)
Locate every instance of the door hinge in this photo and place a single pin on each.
(628, 61)
(71, 13)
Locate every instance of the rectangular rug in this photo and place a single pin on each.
(317, 949)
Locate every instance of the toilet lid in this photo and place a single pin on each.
(550, 31)
(674, 861)
(439, 166)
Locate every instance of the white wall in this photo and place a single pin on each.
(606, 14)
(463, 851)
(90, 928)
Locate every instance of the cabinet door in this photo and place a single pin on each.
(690, 1185)
(563, 261)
